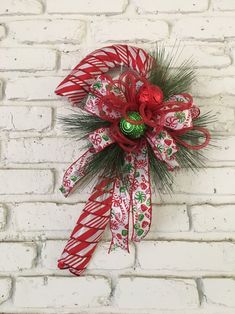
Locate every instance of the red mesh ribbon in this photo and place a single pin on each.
(77, 84)
(89, 229)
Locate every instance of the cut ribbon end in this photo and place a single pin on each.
(61, 265)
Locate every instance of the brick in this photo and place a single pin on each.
(219, 291)
(45, 216)
(186, 256)
(225, 151)
(20, 7)
(117, 259)
(47, 31)
(58, 292)
(39, 150)
(219, 103)
(206, 181)
(213, 86)
(169, 218)
(25, 118)
(129, 30)
(86, 7)
(17, 256)
(208, 218)
(3, 217)
(5, 288)
(204, 56)
(70, 59)
(1, 89)
(32, 88)
(233, 54)
(2, 31)
(25, 181)
(224, 118)
(153, 6)
(223, 5)
(159, 293)
(27, 59)
(215, 28)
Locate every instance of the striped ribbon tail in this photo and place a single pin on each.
(89, 229)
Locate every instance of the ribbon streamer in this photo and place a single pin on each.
(89, 229)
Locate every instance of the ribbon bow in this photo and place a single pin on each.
(117, 200)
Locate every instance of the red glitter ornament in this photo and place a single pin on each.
(150, 95)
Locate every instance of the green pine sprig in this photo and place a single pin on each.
(171, 79)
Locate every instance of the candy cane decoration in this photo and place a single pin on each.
(96, 214)
(89, 229)
(76, 85)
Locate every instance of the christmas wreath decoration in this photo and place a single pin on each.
(138, 129)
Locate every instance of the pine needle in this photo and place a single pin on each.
(79, 125)
(171, 80)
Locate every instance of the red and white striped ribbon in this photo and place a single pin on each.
(89, 229)
(77, 84)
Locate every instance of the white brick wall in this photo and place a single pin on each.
(25, 59)
(128, 30)
(25, 118)
(17, 256)
(2, 217)
(181, 293)
(169, 6)
(205, 28)
(32, 88)
(21, 7)
(5, 288)
(60, 292)
(186, 265)
(46, 31)
(88, 7)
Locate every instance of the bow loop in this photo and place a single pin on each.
(100, 139)
(164, 147)
(177, 114)
(104, 99)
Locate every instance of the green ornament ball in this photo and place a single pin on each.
(133, 131)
